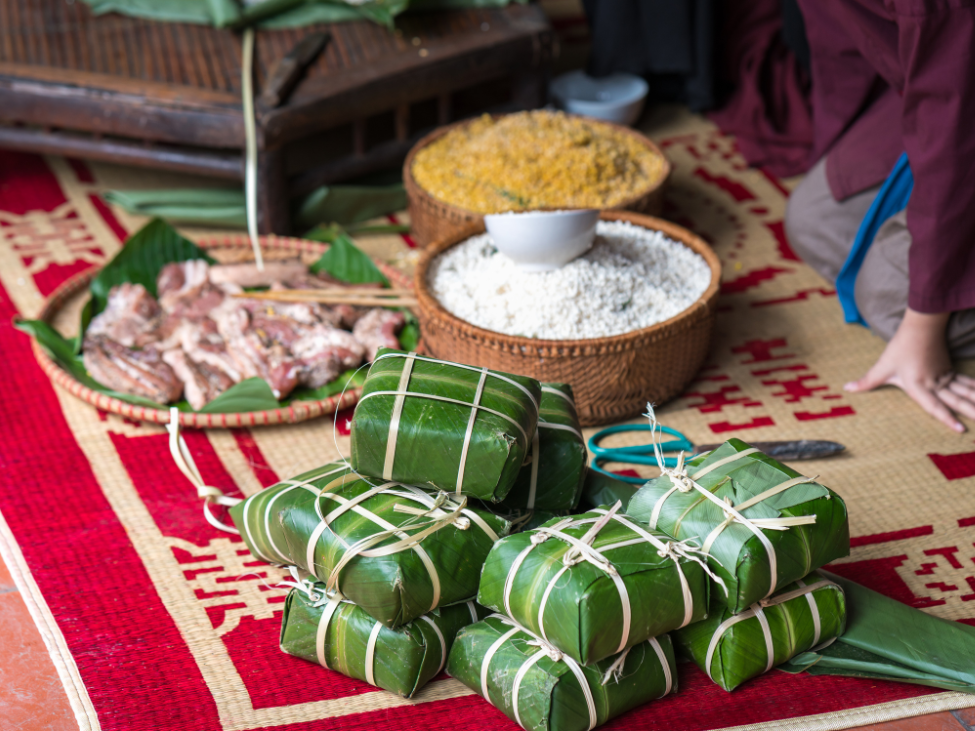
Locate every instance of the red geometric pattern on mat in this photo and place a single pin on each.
(752, 279)
(132, 658)
(955, 466)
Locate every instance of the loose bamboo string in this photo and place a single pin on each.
(250, 138)
(370, 298)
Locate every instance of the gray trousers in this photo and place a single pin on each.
(821, 231)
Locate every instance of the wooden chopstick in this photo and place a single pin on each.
(374, 298)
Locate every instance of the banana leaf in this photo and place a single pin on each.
(888, 640)
(600, 489)
(396, 550)
(742, 559)
(416, 423)
(400, 660)
(541, 689)
(593, 604)
(553, 479)
(341, 204)
(733, 648)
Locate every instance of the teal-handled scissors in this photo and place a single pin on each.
(643, 454)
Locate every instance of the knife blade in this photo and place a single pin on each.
(792, 449)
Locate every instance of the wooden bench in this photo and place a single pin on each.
(167, 95)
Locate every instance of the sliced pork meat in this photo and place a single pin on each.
(137, 372)
(246, 274)
(202, 342)
(131, 317)
(185, 289)
(377, 329)
(201, 382)
(256, 351)
(324, 353)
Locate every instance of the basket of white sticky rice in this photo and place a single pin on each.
(627, 322)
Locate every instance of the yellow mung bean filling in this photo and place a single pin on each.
(536, 159)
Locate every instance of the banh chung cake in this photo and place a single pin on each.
(450, 426)
(761, 523)
(397, 551)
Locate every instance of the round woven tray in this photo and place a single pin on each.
(434, 220)
(294, 412)
(613, 378)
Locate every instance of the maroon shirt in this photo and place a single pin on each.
(896, 75)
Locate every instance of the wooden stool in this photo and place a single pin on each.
(167, 95)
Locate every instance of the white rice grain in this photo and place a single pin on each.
(631, 278)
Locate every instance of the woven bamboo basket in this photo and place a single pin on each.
(434, 220)
(613, 378)
(77, 286)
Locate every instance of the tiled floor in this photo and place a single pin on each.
(32, 698)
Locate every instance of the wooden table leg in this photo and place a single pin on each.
(273, 199)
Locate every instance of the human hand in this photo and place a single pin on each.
(916, 360)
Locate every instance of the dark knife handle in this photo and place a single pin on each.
(794, 449)
(288, 70)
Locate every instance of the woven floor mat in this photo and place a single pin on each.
(157, 621)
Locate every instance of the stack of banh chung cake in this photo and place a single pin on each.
(453, 538)
(764, 529)
(387, 547)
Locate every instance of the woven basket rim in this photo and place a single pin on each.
(701, 307)
(293, 413)
(415, 189)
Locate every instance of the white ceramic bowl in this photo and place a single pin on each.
(539, 241)
(616, 98)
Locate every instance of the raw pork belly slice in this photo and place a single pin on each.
(324, 353)
(377, 329)
(131, 317)
(201, 382)
(137, 372)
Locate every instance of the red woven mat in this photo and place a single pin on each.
(157, 621)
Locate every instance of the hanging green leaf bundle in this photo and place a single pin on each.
(396, 550)
(542, 689)
(340, 636)
(594, 584)
(762, 524)
(733, 648)
(552, 480)
(461, 429)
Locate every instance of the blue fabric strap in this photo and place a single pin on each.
(892, 198)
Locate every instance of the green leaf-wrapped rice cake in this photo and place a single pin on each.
(461, 429)
(553, 478)
(398, 551)
(732, 648)
(762, 524)
(340, 636)
(594, 584)
(541, 689)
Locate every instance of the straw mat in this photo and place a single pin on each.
(157, 621)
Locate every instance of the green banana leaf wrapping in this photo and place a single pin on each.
(553, 481)
(522, 520)
(416, 422)
(541, 689)
(767, 493)
(599, 489)
(398, 551)
(887, 640)
(733, 648)
(593, 588)
(342, 637)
